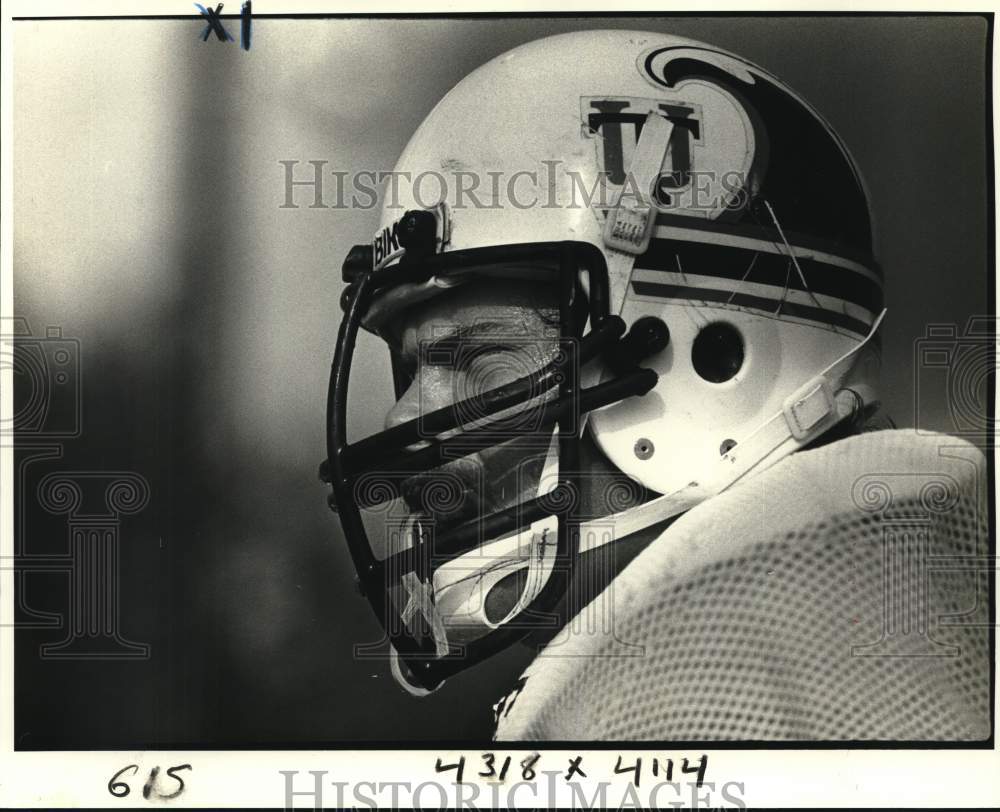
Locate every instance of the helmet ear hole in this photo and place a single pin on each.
(717, 352)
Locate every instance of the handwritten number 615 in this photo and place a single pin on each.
(120, 789)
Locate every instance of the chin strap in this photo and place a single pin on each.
(460, 586)
(540, 538)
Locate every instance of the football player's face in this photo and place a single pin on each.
(459, 345)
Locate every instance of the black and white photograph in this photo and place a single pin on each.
(533, 407)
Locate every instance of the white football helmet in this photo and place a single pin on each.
(682, 190)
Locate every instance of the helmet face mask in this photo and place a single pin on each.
(374, 469)
(744, 279)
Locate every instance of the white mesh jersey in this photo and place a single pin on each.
(840, 595)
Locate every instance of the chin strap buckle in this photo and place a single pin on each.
(811, 409)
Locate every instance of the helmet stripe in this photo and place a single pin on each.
(764, 268)
(767, 306)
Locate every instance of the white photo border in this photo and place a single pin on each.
(772, 776)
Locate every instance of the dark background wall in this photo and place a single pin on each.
(147, 227)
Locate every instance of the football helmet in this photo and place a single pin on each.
(710, 240)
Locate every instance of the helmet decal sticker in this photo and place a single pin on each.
(712, 149)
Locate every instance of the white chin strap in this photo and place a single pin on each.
(461, 585)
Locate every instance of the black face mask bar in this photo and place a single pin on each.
(390, 456)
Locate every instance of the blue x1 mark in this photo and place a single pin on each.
(215, 24)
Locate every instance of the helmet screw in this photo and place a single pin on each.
(644, 448)
(417, 230)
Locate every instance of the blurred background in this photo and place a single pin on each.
(148, 228)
